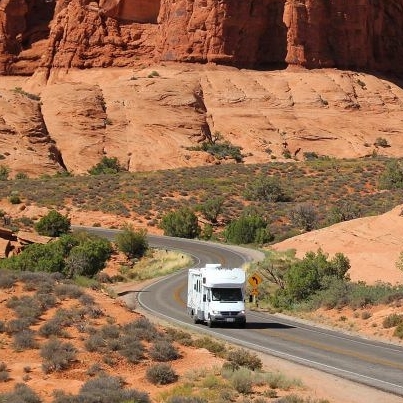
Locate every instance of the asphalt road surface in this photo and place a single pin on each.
(376, 364)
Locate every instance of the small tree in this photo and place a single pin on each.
(131, 242)
(212, 208)
(106, 166)
(53, 224)
(181, 223)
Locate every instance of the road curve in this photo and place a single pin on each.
(376, 364)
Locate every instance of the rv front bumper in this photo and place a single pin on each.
(229, 317)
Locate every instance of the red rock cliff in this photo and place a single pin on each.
(360, 34)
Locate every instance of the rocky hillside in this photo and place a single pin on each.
(155, 117)
(360, 34)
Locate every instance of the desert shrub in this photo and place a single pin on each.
(304, 216)
(221, 150)
(392, 320)
(103, 389)
(2, 326)
(21, 175)
(4, 374)
(14, 198)
(163, 350)
(46, 301)
(179, 336)
(244, 358)
(266, 189)
(4, 172)
(52, 327)
(95, 342)
(277, 380)
(57, 355)
(161, 374)
(381, 142)
(142, 329)
(24, 340)
(211, 345)
(7, 279)
(94, 369)
(241, 379)
(344, 212)
(181, 223)
(67, 290)
(107, 165)
(110, 331)
(17, 325)
(53, 224)
(131, 348)
(399, 331)
(366, 315)
(131, 242)
(21, 394)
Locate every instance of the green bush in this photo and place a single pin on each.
(249, 228)
(161, 374)
(181, 223)
(392, 176)
(53, 224)
(392, 320)
(131, 242)
(106, 166)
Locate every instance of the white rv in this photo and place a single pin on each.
(216, 295)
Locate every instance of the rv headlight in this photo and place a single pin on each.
(215, 312)
(241, 312)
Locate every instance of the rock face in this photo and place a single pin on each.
(360, 34)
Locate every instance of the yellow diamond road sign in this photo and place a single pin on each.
(255, 279)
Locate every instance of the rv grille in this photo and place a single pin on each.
(229, 313)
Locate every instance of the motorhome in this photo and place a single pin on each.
(216, 295)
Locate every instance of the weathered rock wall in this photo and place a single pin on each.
(360, 34)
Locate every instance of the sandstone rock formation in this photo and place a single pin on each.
(360, 34)
(155, 117)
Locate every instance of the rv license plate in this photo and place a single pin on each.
(230, 320)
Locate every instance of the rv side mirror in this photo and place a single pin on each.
(250, 298)
(204, 298)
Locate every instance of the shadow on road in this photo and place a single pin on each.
(268, 325)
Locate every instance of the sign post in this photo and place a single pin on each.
(254, 280)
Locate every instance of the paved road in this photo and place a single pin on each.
(375, 364)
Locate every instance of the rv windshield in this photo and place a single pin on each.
(226, 294)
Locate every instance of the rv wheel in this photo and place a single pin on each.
(210, 322)
(195, 319)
